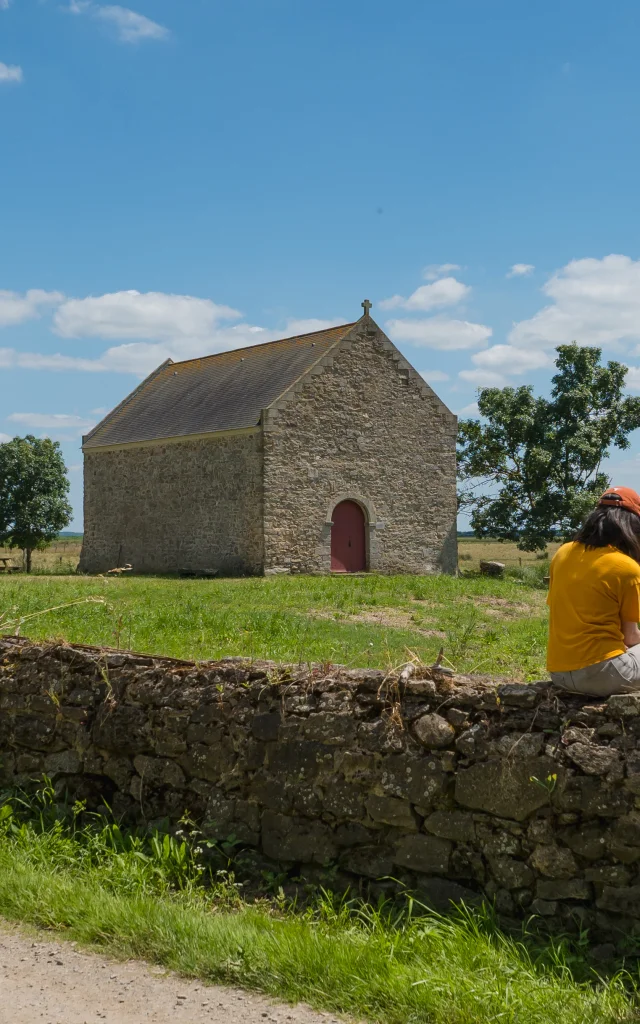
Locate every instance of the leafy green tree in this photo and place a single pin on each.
(33, 493)
(533, 468)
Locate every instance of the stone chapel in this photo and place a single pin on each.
(321, 453)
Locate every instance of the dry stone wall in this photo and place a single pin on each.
(460, 789)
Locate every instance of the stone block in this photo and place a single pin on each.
(159, 771)
(586, 841)
(620, 900)
(123, 730)
(369, 861)
(518, 744)
(544, 908)
(299, 759)
(592, 798)
(624, 705)
(210, 763)
(296, 840)
(344, 800)
(441, 894)
(554, 861)
(427, 854)
(612, 874)
(382, 735)
(119, 770)
(594, 759)
(563, 889)
(511, 873)
(331, 729)
(265, 727)
(456, 825)
(519, 695)
(389, 810)
(418, 779)
(67, 762)
(353, 834)
(434, 732)
(506, 788)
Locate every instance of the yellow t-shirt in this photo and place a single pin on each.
(591, 592)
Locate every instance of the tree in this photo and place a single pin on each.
(33, 493)
(533, 469)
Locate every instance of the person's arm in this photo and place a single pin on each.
(631, 633)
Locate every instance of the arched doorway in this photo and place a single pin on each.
(348, 545)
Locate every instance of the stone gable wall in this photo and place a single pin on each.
(458, 789)
(196, 505)
(365, 426)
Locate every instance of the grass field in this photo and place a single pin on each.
(485, 625)
(139, 897)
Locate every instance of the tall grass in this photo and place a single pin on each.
(150, 896)
(300, 618)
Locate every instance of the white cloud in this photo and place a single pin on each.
(484, 378)
(469, 410)
(11, 73)
(521, 270)
(448, 291)
(633, 378)
(10, 358)
(130, 26)
(295, 327)
(5, 5)
(434, 375)
(494, 365)
(440, 332)
(510, 360)
(141, 357)
(4, 438)
(131, 314)
(593, 302)
(51, 421)
(16, 308)
(435, 270)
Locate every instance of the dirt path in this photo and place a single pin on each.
(43, 982)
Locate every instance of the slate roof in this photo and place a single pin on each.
(219, 392)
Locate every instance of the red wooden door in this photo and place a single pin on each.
(348, 549)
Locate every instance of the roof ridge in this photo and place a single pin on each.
(262, 344)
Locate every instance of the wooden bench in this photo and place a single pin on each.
(6, 565)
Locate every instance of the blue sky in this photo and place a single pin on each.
(183, 177)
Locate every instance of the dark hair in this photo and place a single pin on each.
(618, 527)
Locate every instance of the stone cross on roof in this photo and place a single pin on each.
(366, 305)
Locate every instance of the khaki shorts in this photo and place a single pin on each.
(615, 675)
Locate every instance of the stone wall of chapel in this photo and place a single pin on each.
(193, 505)
(366, 427)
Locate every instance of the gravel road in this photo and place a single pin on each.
(43, 982)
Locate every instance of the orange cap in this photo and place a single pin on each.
(621, 497)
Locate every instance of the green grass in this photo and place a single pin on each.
(144, 897)
(485, 625)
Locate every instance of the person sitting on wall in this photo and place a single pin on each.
(594, 601)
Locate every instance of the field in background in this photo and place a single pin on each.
(484, 625)
(63, 555)
(60, 557)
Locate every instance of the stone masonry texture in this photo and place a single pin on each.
(350, 778)
(366, 427)
(361, 424)
(167, 507)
